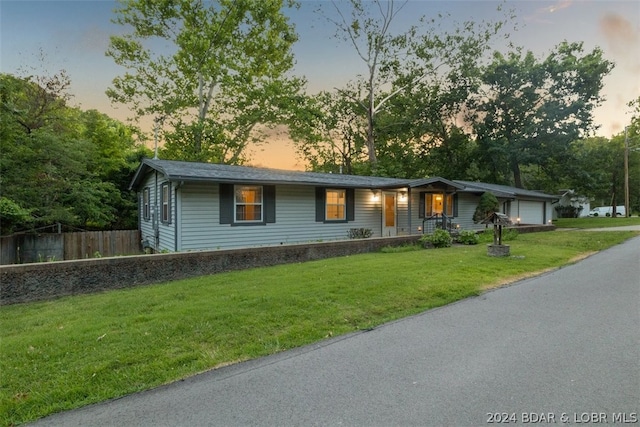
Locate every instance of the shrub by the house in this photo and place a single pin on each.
(468, 237)
(438, 239)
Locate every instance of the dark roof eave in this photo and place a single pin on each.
(178, 178)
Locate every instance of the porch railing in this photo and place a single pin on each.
(440, 220)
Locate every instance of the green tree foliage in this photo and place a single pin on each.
(214, 73)
(13, 215)
(61, 164)
(408, 105)
(532, 110)
(327, 132)
(437, 84)
(367, 27)
(633, 143)
(487, 205)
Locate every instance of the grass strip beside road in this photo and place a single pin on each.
(596, 222)
(79, 350)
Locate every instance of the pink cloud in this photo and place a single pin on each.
(540, 14)
(623, 40)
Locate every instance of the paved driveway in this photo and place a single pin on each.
(562, 347)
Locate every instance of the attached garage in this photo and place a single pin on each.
(532, 207)
(531, 212)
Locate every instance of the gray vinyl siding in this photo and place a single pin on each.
(467, 204)
(166, 240)
(200, 228)
(402, 216)
(146, 225)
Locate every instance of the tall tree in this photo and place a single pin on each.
(210, 71)
(367, 27)
(532, 110)
(327, 132)
(416, 81)
(436, 85)
(60, 164)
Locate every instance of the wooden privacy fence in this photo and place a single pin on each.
(28, 248)
(95, 244)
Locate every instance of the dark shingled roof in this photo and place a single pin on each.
(211, 172)
(176, 170)
(503, 191)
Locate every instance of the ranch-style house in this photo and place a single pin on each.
(188, 206)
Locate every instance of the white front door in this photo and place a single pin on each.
(389, 215)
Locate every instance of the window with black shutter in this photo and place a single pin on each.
(247, 204)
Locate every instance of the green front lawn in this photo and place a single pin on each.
(596, 222)
(74, 351)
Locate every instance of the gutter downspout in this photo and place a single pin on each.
(175, 215)
(156, 225)
(409, 208)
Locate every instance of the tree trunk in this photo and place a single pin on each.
(371, 143)
(517, 178)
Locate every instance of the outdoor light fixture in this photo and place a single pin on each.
(403, 196)
(518, 220)
(376, 195)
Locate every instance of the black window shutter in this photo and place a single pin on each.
(269, 194)
(421, 205)
(320, 204)
(351, 203)
(455, 205)
(226, 203)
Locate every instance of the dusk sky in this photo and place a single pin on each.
(74, 36)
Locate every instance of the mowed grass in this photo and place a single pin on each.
(596, 222)
(74, 351)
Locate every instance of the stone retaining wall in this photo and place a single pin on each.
(49, 280)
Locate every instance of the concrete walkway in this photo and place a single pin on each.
(563, 348)
(624, 228)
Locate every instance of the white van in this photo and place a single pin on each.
(607, 211)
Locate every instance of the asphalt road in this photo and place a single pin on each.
(562, 348)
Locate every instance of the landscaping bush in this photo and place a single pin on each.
(487, 205)
(360, 233)
(468, 237)
(439, 239)
(568, 211)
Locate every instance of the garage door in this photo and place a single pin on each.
(531, 212)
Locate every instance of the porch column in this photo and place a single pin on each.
(409, 208)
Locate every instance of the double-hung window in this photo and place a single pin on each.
(165, 200)
(146, 204)
(248, 203)
(336, 205)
